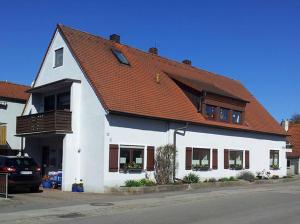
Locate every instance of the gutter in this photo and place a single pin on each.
(174, 144)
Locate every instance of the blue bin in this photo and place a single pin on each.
(47, 184)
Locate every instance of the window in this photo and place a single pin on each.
(236, 159)
(120, 56)
(274, 159)
(236, 117)
(49, 103)
(131, 159)
(288, 163)
(224, 114)
(201, 159)
(63, 101)
(59, 56)
(210, 111)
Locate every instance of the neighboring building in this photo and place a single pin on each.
(293, 158)
(99, 109)
(12, 101)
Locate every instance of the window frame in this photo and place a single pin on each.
(236, 166)
(61, 95)
(214, 114)
(131, 149)
(233, 113)
(56, 65)
(202, 152)
(272, 164)
(119, 55)
(228, 114)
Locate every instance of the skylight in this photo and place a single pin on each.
(120, 56)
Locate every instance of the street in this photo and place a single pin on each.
(269, 203)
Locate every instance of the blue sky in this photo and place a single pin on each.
(256, 42)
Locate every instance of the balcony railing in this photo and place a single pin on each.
(57, 121)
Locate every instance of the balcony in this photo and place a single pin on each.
(57, 122)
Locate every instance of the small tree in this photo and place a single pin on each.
(164, 164)
(295, 119)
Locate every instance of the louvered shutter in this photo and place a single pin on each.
(247, 161)
(215, 159)
(226, 159)
(188, 158)
(113, 157)
(150, 158)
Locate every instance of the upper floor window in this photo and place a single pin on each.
(49, 103)
(210, 111)
(236, 117)
(120, 56)
(63, 101)
(274, 159)
(224, 114)
(59, 57)
(201, 159)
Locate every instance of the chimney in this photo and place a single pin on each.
(115, 38)
(285, 124)
(153, 50)
(187, 62)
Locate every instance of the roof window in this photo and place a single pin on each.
(120, 56)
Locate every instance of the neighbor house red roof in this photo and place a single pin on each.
(133, 89)
(13, 91)
(294, 139)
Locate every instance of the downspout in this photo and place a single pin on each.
(174, 144)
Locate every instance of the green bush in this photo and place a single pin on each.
(223, 179)
(246, 175)
(232, 178)
(274, 177)
(191, 178)
(212, 180)
(147, 182)
(133, 183)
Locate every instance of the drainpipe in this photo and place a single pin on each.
(174, 144)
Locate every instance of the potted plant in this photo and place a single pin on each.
(78, 187)
(274, 167)
(199, 167)
(133, 167)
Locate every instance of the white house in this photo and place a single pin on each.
(12, 101)
(99, 109)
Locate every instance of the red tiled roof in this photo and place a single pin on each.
(133, 89)
(13, 91)
(294, 139)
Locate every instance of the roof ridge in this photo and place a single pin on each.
(166, 60)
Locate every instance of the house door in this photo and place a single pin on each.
(45, 160)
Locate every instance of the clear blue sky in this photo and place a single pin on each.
(256, 42)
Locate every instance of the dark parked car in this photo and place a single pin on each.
(23, 172)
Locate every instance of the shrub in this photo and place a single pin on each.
(191, 178)
(232, 178)
(246, 175)
(133, 183)
(164, 164)
(212, 180)
(223, 179)
(147, 182)
(274, 177)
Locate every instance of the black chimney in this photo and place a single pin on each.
(115, 38)
(153, 50)
(187, 62)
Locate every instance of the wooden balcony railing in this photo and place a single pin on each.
(2, 135)
(52, 121)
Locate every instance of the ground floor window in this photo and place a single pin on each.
(131, 158)
(236, 159)
(274, 159)
(201, 159)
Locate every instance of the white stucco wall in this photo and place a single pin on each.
(82, 149)
(137, 131)
(9, 117)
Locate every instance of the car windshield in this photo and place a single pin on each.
(20, 162)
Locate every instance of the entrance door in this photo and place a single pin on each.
(45, 160)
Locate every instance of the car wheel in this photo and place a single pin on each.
(35, 189)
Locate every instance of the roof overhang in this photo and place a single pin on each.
(53, 86)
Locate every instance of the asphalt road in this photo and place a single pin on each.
(272, 204)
